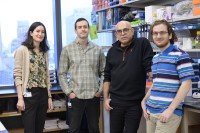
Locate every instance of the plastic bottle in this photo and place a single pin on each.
(197, 40)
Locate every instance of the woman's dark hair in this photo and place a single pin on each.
(169, 29)
(81, 19)
(29, 39)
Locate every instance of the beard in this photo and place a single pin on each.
(162, 45)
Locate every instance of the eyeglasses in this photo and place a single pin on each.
(162, 33)
(125, 30)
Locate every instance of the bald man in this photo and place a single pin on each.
(127, 64)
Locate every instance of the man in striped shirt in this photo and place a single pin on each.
(172, 73)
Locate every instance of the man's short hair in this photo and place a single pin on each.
(81, 19)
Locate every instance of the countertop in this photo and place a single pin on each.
(11, 91)
(191, 102)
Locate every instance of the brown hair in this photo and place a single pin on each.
(81, 19)
(169, 29)
(44, 47)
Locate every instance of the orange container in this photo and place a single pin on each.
(194, 2)
(123, 1)
(196, 10)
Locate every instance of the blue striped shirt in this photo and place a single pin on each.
(170, 68)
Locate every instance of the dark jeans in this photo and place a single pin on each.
(35, 110)
(125, 118)
(91, 108)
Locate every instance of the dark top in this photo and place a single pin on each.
(126, 70)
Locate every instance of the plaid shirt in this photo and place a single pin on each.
(81, 70)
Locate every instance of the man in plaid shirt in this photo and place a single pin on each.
(81, 75)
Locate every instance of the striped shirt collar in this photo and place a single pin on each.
(168, 50)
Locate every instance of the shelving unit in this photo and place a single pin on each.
(9, 114)
(106, 30)
(53, 130)
(57, 110)
(21, 130)
(187, 50)
(15, 113)
(185, 19)
(10, 93)
(141, 4)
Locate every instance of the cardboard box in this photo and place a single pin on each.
(164, 13)
(151, 13)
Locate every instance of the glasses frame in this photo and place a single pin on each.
(161, 33)
(120, 31)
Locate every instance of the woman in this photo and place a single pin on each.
(32, 79)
